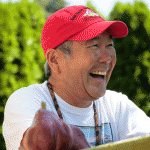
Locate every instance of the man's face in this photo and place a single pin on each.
(88, 69)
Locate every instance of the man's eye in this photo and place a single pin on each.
(96, 45)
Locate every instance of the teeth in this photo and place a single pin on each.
(99, 73)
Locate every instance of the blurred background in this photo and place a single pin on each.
(22, 59)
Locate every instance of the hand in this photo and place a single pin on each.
(48, 131)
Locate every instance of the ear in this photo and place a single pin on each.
(52, 59)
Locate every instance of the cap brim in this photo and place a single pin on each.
(117, 29)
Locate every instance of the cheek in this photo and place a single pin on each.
(113, 63)
(82, 62)
(112, 53)
(114, 60)
(78, 62)
(94, 56)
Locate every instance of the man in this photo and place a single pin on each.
(80, 56)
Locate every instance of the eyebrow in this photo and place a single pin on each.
(96, 38)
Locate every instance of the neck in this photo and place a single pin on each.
(70, 96)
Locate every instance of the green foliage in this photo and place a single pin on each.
(51, 6)
(132, 71)
(21, 55)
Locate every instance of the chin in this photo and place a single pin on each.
(97, 95)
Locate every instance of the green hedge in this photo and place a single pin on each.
(21, 54)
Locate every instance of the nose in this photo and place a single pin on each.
(105, 57)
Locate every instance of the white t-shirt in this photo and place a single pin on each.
(119, 118)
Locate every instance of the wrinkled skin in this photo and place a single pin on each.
(48, 131)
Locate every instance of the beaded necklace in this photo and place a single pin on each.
(60, 114)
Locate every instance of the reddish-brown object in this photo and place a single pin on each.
(48, 131)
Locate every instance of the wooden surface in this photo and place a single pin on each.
(138, 143)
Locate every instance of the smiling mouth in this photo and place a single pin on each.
(97, 76)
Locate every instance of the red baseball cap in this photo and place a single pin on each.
(78, 23)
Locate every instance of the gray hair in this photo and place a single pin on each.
(65, 48)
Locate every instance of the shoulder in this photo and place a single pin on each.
(119, 101)
(34, 89)
(116, 97)
(122, 103)
(30, 96)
